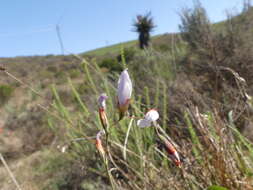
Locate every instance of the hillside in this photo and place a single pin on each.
(200, 81)
(22, 119)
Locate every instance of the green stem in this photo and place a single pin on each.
(109, 174)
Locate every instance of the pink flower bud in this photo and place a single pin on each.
(172, 152)
(102, 114)
(124, 92)
(101, 100)
(124, 88)
(99, 145)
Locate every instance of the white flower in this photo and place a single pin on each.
(63, 148)
(101, 100)
(124, 88)
(151, 116)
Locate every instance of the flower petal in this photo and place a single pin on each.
(143, 123)
(152, 115)
(124, 87)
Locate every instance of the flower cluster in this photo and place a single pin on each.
(124, 93)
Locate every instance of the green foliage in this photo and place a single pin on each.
(216, 187)
(59, 168)
(6, 92)
(111, 64)
(60, 75)
(44, 74)
(164, 48)
(54, 162)
(196, 145)
(82, 88)
(74, 73)
(78, 97)
(128, 55)
(52, 68)
(133, 150)
(112, 49)
(195, 26)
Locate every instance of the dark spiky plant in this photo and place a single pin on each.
(143, 25)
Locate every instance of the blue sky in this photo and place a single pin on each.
(27, 27)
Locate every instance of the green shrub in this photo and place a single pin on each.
(46, 74)
(129, 54)
(111, 64)
(195, 27)
(60, 77)
(82, 88)
(52, 68)
(60, 74)
(74, 73)
(163, 48)
(5, 93)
